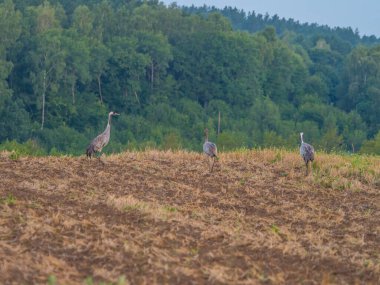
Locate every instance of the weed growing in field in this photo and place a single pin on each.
(89, 281)
(14, 155)
(368, 212)
(194, 251)
(52, 280)
(10, 200)
(134, 207)
(277, 157)
(316, 166)
(342, 184)
(359, 164)
(263, 277)
(170, 209)
(129, 204)
(275, 229)
(120, 281)
(324, 181)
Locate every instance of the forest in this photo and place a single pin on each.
(170, 71)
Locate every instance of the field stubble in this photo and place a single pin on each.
(159, 217)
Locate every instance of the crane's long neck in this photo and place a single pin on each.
(301, 138)
(109, 120)
(108, 128)
(206, 136)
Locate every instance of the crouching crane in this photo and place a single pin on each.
(307, 153)
(101, 140)
(209, 148)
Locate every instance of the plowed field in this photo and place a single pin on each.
(161, 218)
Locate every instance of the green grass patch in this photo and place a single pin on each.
(170, 209)
(9, 200)
(90, 281)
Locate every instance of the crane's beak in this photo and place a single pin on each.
(116, 114)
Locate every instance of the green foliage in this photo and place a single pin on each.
(231, 140)
(30, 147)
(372, 146)
(10, 29)
(64, 139)
(172, 141)
(15, 122)
(265, 114)
(65, 65)
(271, 139)
(331, 140)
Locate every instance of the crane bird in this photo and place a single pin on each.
(209, 148)
(307, 153)
(101, 140)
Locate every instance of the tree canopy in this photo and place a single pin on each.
(171, 70)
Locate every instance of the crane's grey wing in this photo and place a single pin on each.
(98, 142)
(311, 151)
(210, 149)
(307, 152)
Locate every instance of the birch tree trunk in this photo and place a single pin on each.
(73, 92)
(43, 99)
(152, 75)
(100, 88)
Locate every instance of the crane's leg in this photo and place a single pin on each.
(212, 165)
(208, 161)
(311, 167)
(99, 158)
(307, 168)
(89, 155)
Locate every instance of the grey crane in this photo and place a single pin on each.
(307, 153)
(101, 140)
(209, 148)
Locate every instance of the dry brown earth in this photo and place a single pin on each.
(160, 218)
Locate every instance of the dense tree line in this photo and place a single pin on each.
(170, 70)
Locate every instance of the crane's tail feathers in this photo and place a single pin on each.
(90, 151)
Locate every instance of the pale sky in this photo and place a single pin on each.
(361, 14)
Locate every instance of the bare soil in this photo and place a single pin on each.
(161, 218)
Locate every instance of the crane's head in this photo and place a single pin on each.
(114, 114)
(206, 131)
(301, 134)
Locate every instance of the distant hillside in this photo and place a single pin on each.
(254, 22)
